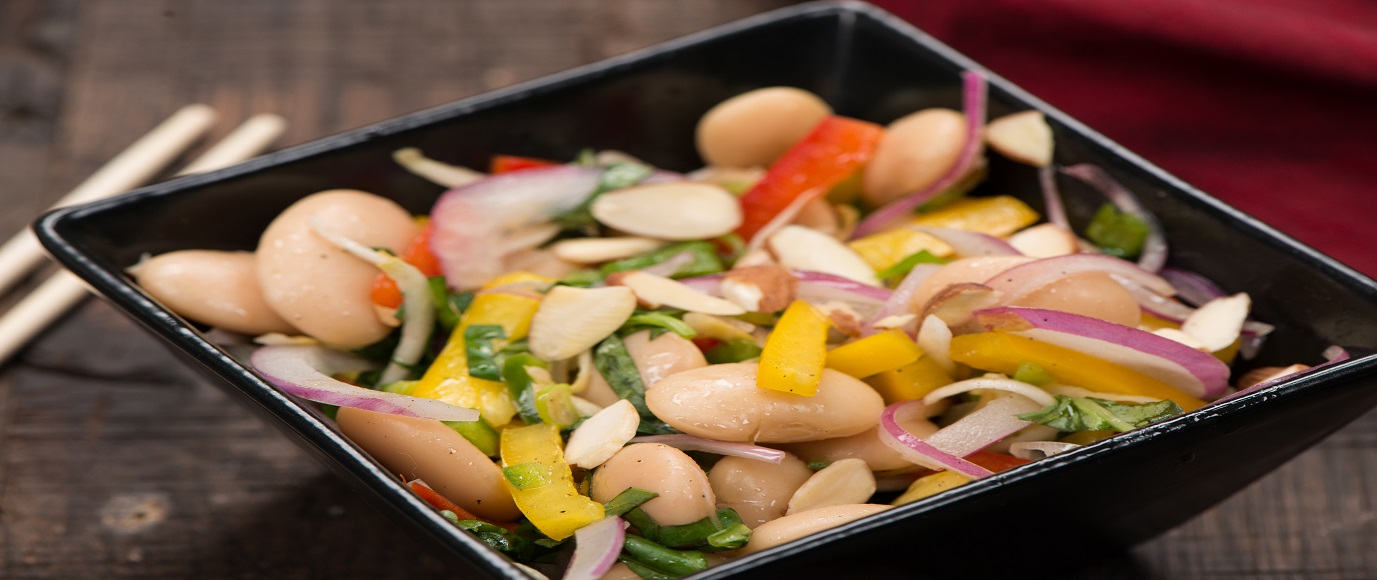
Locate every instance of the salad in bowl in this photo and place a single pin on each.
(605, 369)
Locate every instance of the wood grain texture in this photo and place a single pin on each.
(116, 461)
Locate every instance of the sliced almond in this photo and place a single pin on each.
(655, 291)
(800, 248)
(599, 250)
(602, 435)
(1181, 337)
(1217, 323)
(764, 288)
(757, 257)
(819, 215)
(956, 303)
(844, 318)
(1024, 137)
(680, 210)
(845, 481)
(1264, 374)
(1045, 241)
(895, 321)
(572, 320)
(733, 178)
(935, 339)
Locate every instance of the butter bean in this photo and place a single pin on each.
(655, 359)
(756, 128)
(759, 491)
(426, 449)
(803, 524)
(319, 288)
(915, 151)
(211, 287)
(865, 446)
(723, 402)
(685, 495)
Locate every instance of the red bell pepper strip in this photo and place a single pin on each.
(443, 503)
(995, 462)
(510, 163)
(835, 149)
(385, 292)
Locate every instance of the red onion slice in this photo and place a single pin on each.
(694, 443)
(470, 220)
(1051, 197)
(1026, 390)
(983, 427)
(596, 547)
(1019, 281)
(901, 300)
(710, 284)
(815, 285)
(304, 371)
(1192, 287)
(970, 244)
(974, 105)
(668, 267)
(1154, 254)
(1194, 372)
(914, 449)
(1333, 355)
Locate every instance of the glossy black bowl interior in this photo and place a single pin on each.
(868, 65)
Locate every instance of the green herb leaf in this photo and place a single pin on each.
(731, 351)
(1071, 414)
(628, 499)
(820, 464)
(703, 260)
(482, 353)
(904, 266)
(1117, 234)
(586, 278)
(529, 475)
(619, 369)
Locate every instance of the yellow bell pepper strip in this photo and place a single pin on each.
(794, 354)
(874, 354)
(930, 485)
(1003, 352)
(542, 483)
(448, 378)
(517, 277)
(835, 149)
(996, 216)
(910, 382)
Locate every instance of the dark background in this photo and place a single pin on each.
(117, 462)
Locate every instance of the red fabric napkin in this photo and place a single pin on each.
(1269, 105)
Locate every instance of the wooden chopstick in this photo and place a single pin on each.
(131, 168)
(59, 293)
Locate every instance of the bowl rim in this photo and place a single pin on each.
(52, 230)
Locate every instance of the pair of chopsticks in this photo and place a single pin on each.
(137, 164)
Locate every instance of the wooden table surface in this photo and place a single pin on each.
(115, 461)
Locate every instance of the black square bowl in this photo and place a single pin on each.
(869, 65)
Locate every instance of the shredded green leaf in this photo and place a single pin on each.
(699, 534)
(1116, 233)
(619, 369)
(656, 320)
(502, 540)
(703, 260)
(732, 351)
(904, 266)
(521, 385)
(628, 499)
(665, 560)
(1072, 414)
(479, 344)
(449, 306)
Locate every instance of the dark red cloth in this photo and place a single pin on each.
(1269, 105)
